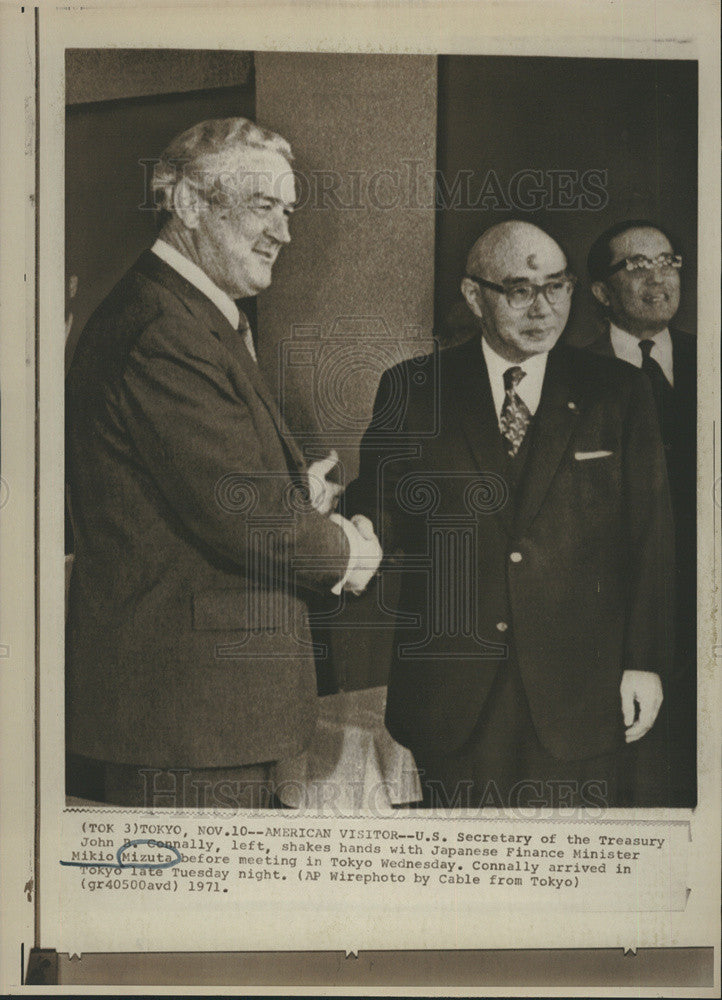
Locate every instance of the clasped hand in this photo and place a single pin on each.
(366, 551)
(323, 494)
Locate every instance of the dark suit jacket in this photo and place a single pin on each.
(667, 760)
(571, 575)
(187, 638)
(679, 433)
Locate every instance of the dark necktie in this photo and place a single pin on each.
(654, 373)
(244, 328)
(515, 415)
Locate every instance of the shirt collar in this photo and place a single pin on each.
(529, 389)
(191, 272)
(626, 346)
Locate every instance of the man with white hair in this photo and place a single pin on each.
(198, 526)
(524, 483)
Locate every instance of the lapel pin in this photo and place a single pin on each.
(572, 406)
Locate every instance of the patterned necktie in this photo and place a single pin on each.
(515, 415)
(654, 373)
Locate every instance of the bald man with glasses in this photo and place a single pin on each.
(522, 485)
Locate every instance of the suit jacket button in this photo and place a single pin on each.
(502, 626)
(516, 557)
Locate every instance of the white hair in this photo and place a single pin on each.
(207, 156)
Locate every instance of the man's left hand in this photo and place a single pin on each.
(644, 689)
(323, 494)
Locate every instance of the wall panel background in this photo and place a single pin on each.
(355, 290)
(634, 119)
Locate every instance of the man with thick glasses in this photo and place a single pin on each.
(635, 271)
(523, 482)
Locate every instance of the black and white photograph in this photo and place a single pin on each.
(296, 505)
(359, 497)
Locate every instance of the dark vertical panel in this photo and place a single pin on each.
(109, 74)
(634, 119)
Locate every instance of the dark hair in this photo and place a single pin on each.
(600, 255)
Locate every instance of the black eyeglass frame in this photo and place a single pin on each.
(567, 278)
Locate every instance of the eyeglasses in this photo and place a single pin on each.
(523, 295)
(662, 262)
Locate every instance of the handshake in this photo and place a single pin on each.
(366, 552)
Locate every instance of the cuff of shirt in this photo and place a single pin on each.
(352, 535)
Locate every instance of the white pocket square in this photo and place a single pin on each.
(582, 456)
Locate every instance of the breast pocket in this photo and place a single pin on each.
(591, 456)
(596, 482)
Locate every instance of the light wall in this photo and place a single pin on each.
(353, 293)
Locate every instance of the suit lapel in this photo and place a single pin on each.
(602, 345)
(198, 304)
(477, 414)
(207, 314)
(554, 423)
(233, 342)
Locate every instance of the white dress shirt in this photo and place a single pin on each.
(191, 272)
(530, 387)
(626, 346)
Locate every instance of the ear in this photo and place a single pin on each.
(600, 292)
(472, 293)
(187, 203)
